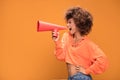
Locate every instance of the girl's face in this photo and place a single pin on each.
(71, 26)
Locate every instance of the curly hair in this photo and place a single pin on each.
(82, 18)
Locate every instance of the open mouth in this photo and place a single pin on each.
(70, 29)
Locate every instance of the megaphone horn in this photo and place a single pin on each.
(45, 26)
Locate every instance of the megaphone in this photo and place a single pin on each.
(45, 26)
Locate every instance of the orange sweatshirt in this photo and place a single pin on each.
(85, 53)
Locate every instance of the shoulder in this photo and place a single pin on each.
(65, 35)
(94, 48)
(91, 44)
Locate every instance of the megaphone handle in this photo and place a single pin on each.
(55, 33)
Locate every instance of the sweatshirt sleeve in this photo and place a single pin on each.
(60, 48)
(99, 62)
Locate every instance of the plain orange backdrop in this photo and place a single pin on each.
(26, 54)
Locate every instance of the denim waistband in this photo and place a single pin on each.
(80, 76)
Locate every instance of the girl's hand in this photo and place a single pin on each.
(55, 36)
(82, 70)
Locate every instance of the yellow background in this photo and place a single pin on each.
(26, 54)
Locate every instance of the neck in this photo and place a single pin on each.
(77, 36)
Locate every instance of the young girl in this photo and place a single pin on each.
(82, 56)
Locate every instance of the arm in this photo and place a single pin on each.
(99, 62)
(60, 48)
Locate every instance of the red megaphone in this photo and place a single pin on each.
(44, 26)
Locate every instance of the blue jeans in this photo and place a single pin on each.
(80, 76)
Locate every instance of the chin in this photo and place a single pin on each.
(71, 33)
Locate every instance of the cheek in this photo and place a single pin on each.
(74, 28)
